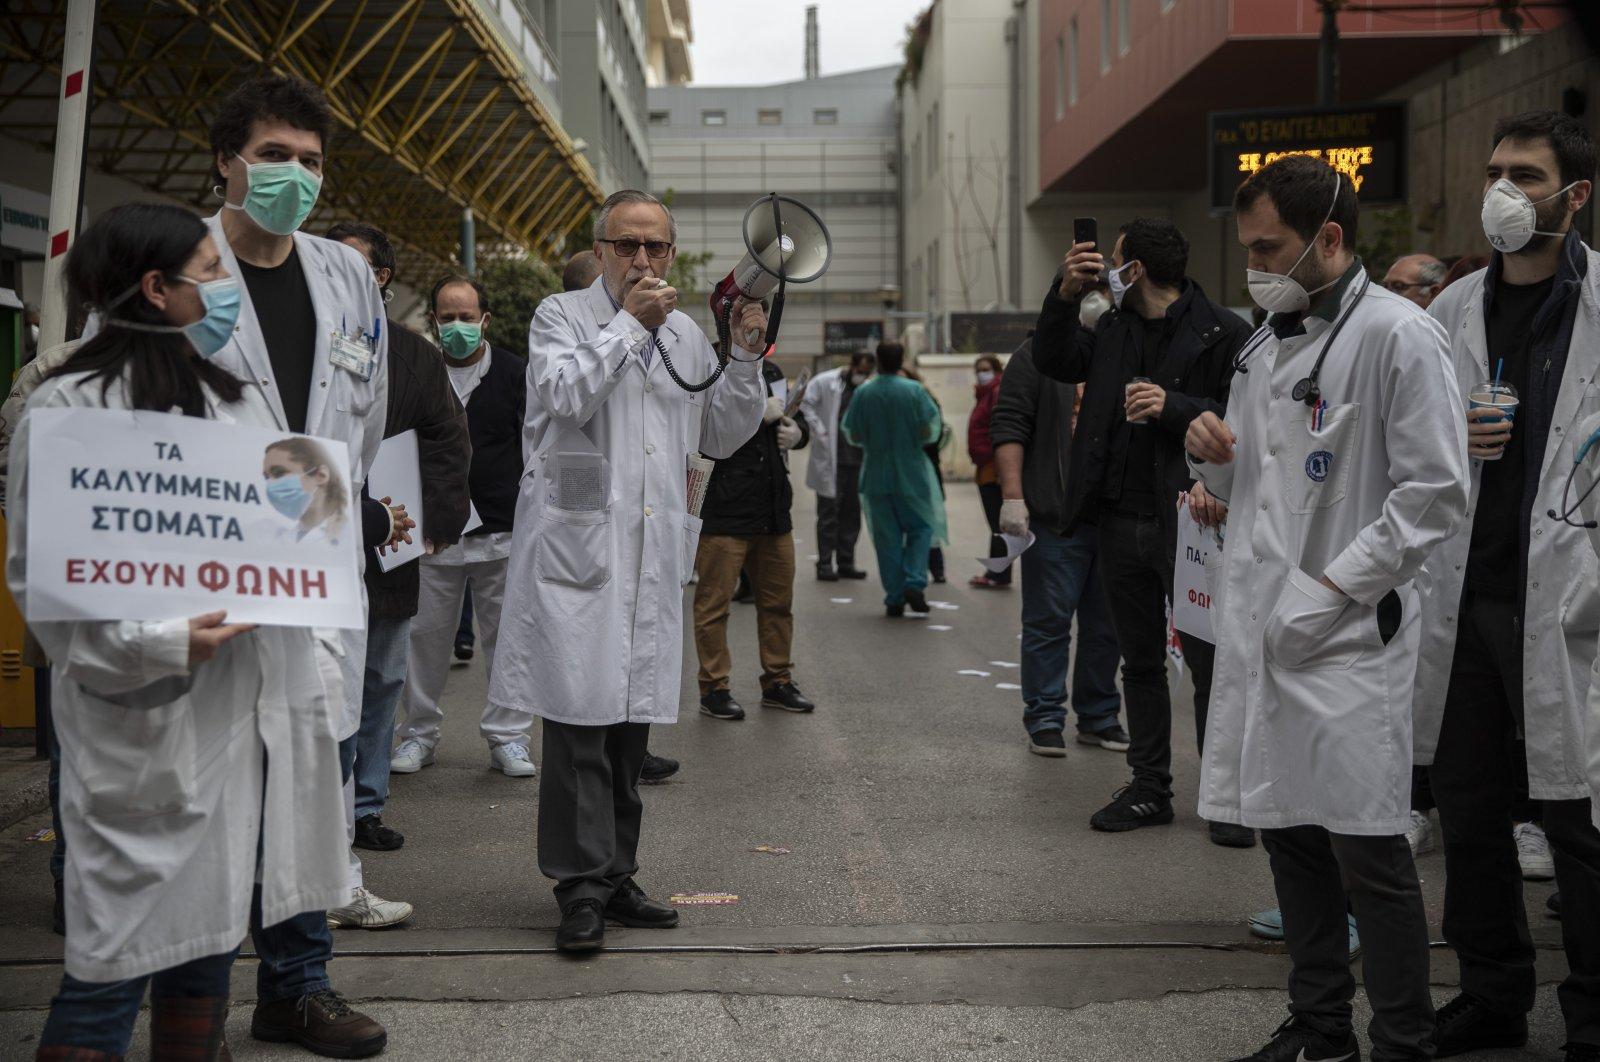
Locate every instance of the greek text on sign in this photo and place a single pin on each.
(153, 516)
(1364, 142)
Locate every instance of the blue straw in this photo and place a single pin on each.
(1498, 365)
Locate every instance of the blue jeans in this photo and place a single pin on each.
(902, 541)
(388, 647)
(41, 700)
(294, 954)
(1060, 578)
(100, 1015)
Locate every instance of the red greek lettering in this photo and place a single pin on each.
(75, 570)
(126, 572)
(280, 582)
(101, 573)
(213, 575)
(249, 580)
(319, 580)
(172, 575)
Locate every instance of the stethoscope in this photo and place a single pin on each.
(1307, 390)
(1569, 510)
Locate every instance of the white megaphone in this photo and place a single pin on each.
(785, 243)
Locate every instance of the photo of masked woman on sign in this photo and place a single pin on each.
(304, 485)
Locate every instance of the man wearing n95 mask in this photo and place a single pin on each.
(1340, 480)
(1512, 612)
(604, 545)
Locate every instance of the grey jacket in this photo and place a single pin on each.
(1037, 412)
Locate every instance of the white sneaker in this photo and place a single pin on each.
(367, 911)
(1419, 835)
(512, 760)
(411, 757)
(1533, 852)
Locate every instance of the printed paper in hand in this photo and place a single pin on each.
(154, 516)
(580, 482)
(396, 474)
(1016, 545)
(699, 474)
(1191, 606)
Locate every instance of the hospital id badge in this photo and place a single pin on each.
(352, 355)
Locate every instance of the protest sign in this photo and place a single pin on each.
(396, 474)
(154, 516)
(1191, 595)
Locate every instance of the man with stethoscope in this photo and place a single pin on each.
(1343, 463)
(1512, 609)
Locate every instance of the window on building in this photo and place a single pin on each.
(1061, 77)
(1105, 36)
(1124, 26)
(660, 117)
(769, 116)
(713, 117)
(825, 116)
(1072, 62)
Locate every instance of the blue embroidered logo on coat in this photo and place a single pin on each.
(1318, 464)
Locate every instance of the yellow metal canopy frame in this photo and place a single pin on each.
(433, 106)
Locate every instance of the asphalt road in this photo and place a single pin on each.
(913, 815)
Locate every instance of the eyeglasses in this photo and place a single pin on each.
(657, 249)
(1398, 286)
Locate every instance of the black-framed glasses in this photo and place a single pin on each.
(1400, 287)
(657, 249)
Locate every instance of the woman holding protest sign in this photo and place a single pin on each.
(198, 756)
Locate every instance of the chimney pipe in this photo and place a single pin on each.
(811, 42)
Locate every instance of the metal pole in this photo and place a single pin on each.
(1328, 65)
(66, 179)
(1014, 24)
(469, 243)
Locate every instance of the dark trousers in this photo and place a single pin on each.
(1319, 876)
(1479, 776)
(589, 807)
(839, 519)
(1060, 579)
(464, 635)
(100, 1015)
(1137, 567)
(989, 494)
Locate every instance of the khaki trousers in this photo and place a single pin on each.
(769, 559)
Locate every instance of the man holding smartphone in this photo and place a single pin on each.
(1127, 468)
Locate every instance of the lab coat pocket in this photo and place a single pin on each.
(691, 546)
(574, 548)
(142, 760)
(1319, 450)
(1313, 627)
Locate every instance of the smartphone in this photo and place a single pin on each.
(1085, 230)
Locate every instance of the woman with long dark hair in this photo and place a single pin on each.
(198, 756)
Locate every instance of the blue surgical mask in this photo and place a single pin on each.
(461, 338)
(211, 333)
(289, 496)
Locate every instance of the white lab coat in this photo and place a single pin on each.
(342, 405)
(1561, 618)
(1590, 511)
(162, 766)
(1310, 711)
(821, 408)
(592, 630)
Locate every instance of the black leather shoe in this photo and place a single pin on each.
(1231, 835)
(916, 603)
(1297, 1042)
(719, 704)
(786, 695)
(826, 574)
(583, 926)
(657, 769)
(1468, 1024)
(374, 836)
(850, 571)
(630, 906)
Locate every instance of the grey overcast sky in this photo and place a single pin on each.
(758, 42)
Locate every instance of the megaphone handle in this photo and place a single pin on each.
(776, 316)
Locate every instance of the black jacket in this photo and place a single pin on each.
(1196, 370)
(749, 493)
(495, 411)
(1037, 413)
(420, 397)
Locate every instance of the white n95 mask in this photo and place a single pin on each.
(1281, 292)
(1119, 287)
(1509, 216)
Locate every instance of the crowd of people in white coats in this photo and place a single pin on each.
(1397, 476)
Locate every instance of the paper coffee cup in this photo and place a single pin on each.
(1502, 397)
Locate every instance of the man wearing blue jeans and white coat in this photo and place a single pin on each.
(604, 544)
(1343, 462)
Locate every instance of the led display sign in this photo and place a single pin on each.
(1366, 143)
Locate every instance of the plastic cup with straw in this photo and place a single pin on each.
(1493, 394)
